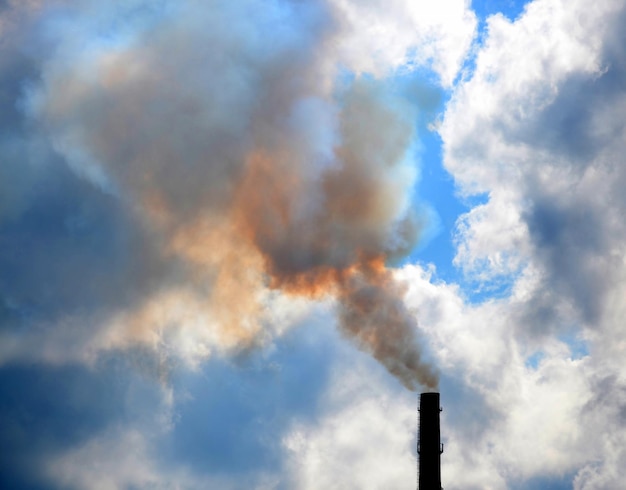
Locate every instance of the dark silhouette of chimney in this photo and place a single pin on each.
(429, 447)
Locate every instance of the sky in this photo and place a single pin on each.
(239, 238)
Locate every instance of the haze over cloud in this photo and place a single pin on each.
(205, 214)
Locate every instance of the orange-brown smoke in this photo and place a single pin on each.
(372, 313)
(339, 248)
(251, 172)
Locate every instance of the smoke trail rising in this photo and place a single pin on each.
(223, 134)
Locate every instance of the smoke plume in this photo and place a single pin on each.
(231, 140)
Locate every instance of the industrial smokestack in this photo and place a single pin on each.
(429, 447)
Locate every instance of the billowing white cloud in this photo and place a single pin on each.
(380, 36)
(363, 436)
(503, 398)
(123, 458)
(538, 130)
(96, 464)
